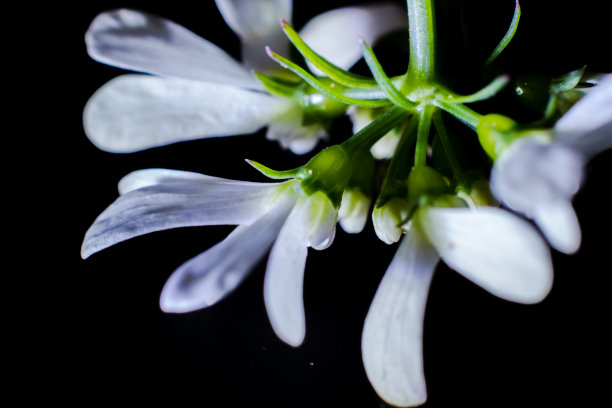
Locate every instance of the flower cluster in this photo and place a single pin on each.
(435, 204)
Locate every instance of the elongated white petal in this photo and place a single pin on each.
(180, 203)
(588, 124)
(392, 341)
(334, 34)
(149, 177)
(142, 42)
(135, 112)
(257, 23)
(493, 248)
(535, 177)
(209, 277)
(283, 283)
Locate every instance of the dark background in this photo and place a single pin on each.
(92, 330)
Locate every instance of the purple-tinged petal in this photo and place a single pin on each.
(145, 43)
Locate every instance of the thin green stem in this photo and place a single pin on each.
(461, 112)
(448, 149)
(366, 137)
(420, 155)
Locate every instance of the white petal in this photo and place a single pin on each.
(539, 179)
(494, 248)
(135, 112)
(142, 42)
(582, 126)
(288, 130)
(257, 23)
(209, 277)
(392, 341)
(334, 34)
(283, 283)
(149, 177)
(179, 203)
(560, 226)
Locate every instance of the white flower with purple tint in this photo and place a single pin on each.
(197, 90)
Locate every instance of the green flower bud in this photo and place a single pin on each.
(495, 133)
(329, 171)
(424, 181)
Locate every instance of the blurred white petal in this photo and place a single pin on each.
(392, 341)
(257, 23)
(588, 124)
(493, 248)
(179, 203)
(283, 282)
(560, 226)
(288, 130)
(334, 34)
(135, 112)
(534, 177)
(209, 277)
(142, 42)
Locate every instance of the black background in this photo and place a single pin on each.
(92, 330)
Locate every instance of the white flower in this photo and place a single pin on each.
(493, 248)
(197, 90)
(277, 215)
(538, 176)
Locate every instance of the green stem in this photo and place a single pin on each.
(448, 148)
(366, 137)
(420, 155)
(421, 26)
(461, 112)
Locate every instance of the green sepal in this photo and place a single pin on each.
(333, 90)
(329, 171)
(275, 174)
(485, 93)
(331, 70)
(508, 36)
(277, 86)
(382, 79)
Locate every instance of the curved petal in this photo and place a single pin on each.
(209, 277)
(257, 23)
(180, 203)
(392, 341)
(588, 124)
(142, 42)
(135, 112)
(560, 226)
(346, 25)
(493, 248)
(283, 282)
(534, 177)
(150, 177)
